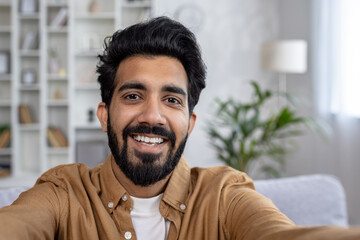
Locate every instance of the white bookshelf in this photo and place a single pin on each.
(61, 96)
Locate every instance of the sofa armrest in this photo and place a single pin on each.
(309, 200)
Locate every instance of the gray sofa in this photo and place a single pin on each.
(308, 200)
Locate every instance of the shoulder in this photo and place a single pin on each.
(220, 177)
(69, 174)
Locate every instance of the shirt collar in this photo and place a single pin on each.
(111, 189)
(176, 192)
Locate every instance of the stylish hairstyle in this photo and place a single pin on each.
(159, 36)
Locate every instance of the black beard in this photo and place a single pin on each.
(147, 172)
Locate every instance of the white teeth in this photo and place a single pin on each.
(148, 139)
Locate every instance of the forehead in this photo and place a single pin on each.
(152, 71)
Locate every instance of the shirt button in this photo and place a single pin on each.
(110, 204)
(128, 235)
(124, 198)
(182, 206)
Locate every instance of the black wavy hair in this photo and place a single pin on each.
(159, 36)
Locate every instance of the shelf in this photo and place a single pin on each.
(78, 44)
(58, 151)
(33, 87)
(5, 103)
(137, 4)
(55, 78)
(52, 29)
(29, 127)
(57, 103)
(29, 16)
(57, 5)
(5, 77)
(88, 126)
(5, 151)
(5, 3)
(96, 16)
(29, 53)
(5, 29)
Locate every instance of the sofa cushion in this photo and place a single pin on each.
(309, 200)
(8, 195)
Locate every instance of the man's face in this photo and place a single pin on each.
(148, 119)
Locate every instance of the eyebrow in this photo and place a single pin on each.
(132, 86)
(173, 89)
(140, 86)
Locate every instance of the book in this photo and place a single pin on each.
(5, 138)
(60, 19)
(29, 41)
(56, 138)
(24, 114)
(61, 137)
(53, 141)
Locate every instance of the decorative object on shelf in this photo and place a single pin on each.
(94, 6)
(91, 115)
(4, 136)
(28, 6)
(60, 18)
(24, 114)
(4, 62)
(246, 133)
(54, 64)
(30, 41)
(91, 42)
(62, 72)
(4, 171)
(28, 77)
(56, 138)
(57, 94)
(286, 56)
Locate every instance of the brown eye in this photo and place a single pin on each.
(132, 97)
(173, 100)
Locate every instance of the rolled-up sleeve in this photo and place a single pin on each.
(35, 214)
(249, 215)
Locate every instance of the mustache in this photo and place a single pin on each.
(145, 129)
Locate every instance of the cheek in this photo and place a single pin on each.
(180, 127)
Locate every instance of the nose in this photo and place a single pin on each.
(152, 113)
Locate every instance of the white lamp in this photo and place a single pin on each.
(286, 56)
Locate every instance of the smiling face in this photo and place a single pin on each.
(148, 119)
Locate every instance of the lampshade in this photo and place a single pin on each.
(288, 56)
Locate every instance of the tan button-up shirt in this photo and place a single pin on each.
(75, 202)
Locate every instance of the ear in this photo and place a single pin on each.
(192, 121)
(102, 114)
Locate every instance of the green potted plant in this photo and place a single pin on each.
(245, 133)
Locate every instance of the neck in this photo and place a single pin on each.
(136, 190)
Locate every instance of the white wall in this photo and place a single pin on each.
(339, 154)
(230, 38)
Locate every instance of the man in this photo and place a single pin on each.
(151, 75)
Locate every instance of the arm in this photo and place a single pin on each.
(35, 214)
(250, 215)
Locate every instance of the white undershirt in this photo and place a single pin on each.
(147, 220)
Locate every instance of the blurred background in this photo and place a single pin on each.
(49, 94)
